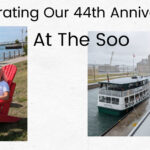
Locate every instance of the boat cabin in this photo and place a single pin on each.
(120, 94)
(123, 84)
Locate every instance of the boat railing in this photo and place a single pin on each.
(110, 92)
(122, 93)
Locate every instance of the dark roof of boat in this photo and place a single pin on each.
(125, 80)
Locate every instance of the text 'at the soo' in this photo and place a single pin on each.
(69, 39)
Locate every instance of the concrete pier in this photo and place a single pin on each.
(93, 85)
(124, 126)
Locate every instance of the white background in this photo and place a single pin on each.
(57, 78)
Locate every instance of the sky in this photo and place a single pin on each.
(12, 33)
(139, 44)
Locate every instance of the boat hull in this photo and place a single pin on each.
(115, 112)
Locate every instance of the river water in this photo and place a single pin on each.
(7, 51)
(98, 122)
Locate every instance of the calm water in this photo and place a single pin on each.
(98, 122)
(2, 50)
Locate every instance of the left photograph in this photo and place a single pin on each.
(13, 83)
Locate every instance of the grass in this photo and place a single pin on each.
(104, 77)
(17, 131)
(98, 80)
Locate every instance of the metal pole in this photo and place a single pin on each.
(9, 55)
(14, 54)
(18, 52)
(4, 56)
(22, 37)
(94, 71)
(133, 66)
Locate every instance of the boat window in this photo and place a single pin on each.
(126, 99)
(101, 98)
(115, 101)
(108, 100)
(137, 96)
(115, 87)
(135, 85)
(141, 94)
(145, 82)
(101, 85)
(131, 85)
(131, 98)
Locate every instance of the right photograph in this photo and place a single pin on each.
(119, 83)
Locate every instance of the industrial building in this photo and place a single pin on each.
(143, 66)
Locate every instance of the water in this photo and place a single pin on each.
(98, 122)
(7, 51)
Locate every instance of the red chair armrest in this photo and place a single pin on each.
(3, 101)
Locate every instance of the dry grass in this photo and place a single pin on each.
(111, 75)
(99, 80)
(17, 131)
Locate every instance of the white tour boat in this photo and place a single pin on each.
(118, 96)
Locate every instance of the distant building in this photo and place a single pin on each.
(108, 68)
(149, 60)
(92, 69)
(144, 66)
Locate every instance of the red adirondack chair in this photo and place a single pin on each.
(9, 74)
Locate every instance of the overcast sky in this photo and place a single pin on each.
(139, 45)
(12, 33)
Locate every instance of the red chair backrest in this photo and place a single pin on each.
(9, 74)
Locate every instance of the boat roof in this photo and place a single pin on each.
(125, 80)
